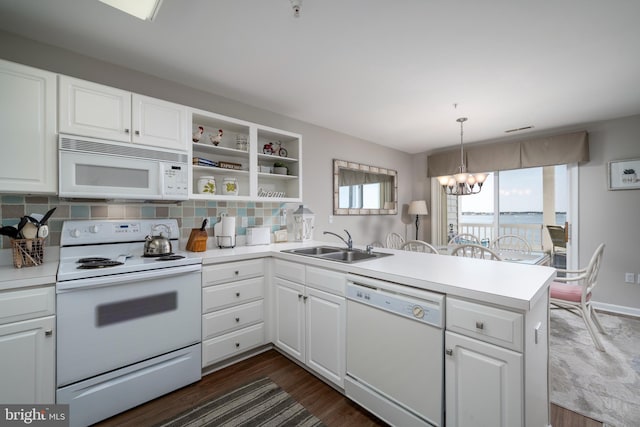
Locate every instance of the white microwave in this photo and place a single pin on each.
(99, 169)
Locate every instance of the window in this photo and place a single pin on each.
(525, 200)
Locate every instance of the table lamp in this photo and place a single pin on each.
(417, 208)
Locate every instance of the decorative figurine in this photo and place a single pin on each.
(198, 134)
(215, 140)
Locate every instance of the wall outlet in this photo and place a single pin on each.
(330, 219)
(629, 278)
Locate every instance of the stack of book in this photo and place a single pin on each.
(199, 161)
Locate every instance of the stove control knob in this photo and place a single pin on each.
(94, 229)
(418, 312)
(75, 233)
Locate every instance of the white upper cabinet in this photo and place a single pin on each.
(28, 130)
(261, 163)
(100, 111)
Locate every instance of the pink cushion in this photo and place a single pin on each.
(567, 292)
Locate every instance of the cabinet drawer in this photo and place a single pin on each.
(216, 349)
(230, 319)
(221, 273)
(326, 280)
(221, 296)
(27, 304)
(289, 270)
(490, 324)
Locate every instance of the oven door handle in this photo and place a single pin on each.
(117, 279)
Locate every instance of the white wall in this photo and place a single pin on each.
(612, 217)
(320, 145)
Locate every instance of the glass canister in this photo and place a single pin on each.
(206, 185)
(230, 186)
(241, 142)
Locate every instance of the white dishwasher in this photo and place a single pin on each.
(395, 347)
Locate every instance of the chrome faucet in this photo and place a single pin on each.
(348, 242)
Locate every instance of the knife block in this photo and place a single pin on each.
(197, 240)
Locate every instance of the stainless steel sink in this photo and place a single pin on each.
(332, 253)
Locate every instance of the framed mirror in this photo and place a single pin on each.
(364, 190)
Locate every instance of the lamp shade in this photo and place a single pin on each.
(418, 207)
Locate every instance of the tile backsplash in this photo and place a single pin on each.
(189, 213)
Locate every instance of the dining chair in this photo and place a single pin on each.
(418, 246)
(511, 243)
(394, 240)
(471, 250)
(463, 238)
(573, 293)
(376, 244)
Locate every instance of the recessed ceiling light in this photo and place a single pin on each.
(142, 9)
(518, 129)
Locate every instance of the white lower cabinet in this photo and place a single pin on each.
(309, 322)
(27, 346)
(496, 371)
(483, 383)
(232, 309)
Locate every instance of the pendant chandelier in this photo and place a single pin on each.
(462, 183)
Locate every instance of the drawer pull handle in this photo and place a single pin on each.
(299, 296)
(479, 325)
(237, 319)
(237, 345)
(449, 352)
(126, 131)
(137, 132)
(236, 272)
(48, 333)
(305, 298)
(238, 294)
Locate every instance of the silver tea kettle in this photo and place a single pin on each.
(158, 245)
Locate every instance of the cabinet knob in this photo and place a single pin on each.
(449, 352)
(479, 325)
(305, 298)
(299, 296)
(138, 132)
(236, 272)
(238, 294)
(126, 131)
(237, 345)
(237, 319)
(48, 333)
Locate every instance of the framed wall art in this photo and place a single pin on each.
(623, 174)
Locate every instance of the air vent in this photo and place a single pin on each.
(518, 129)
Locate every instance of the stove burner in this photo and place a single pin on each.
(157, 255)
(169, 257)
(99, 264)
(91, 259)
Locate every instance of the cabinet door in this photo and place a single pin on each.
(159, 123)
(484, 384)
(325, 327)
(91, 109)
(27, 368)
(28, 130)
(289, 318)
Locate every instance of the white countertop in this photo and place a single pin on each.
(508, 284)
(503, 283)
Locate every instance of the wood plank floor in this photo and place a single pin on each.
(331, 407)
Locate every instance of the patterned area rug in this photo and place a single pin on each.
(260, 403)
(602, 386)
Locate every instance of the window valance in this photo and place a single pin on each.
(548, 151)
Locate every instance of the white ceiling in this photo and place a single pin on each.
(382, 70)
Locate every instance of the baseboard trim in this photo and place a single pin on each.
(617, 309)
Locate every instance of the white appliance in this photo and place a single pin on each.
(128, 326)
(395, 351)
(100, 169)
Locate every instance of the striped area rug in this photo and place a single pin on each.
(259, 403)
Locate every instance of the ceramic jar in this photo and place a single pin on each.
(230, 186)
(206, 185)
